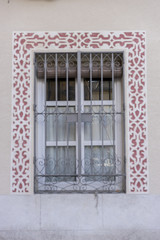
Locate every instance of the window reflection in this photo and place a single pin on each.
(96, 89)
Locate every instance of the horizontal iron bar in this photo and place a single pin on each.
(82, 175)
(64, 52)
(79, 191)
(87, 114)
(85, 117)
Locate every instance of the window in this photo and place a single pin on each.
(79, 122)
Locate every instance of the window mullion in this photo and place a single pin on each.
(90, 83)
(79, 111)
(56, 95)
(124, 117)
(113, 112)
(67, 127)
(35, 127)
(102, 148)
(45, 107)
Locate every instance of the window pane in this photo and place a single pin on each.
(65, 163)
(96, 89)
(107, 89)
(102, 123)
(86, 90)
(61, 89)
(50, 91)
(99, 161)
(61, 125)
(51, 124)
(71, 90)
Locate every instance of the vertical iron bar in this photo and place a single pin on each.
(56, 95)
(45, 77)
(113, 110)
(35, 106)
(113, 96)
(102, 116)
(67, 78)
(90, 65)
(67, 132)
(124, 129)
(109, 82)
(79, 112)
(99, 83)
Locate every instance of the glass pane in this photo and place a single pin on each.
(107, 89)
(101, 126)
(96, 89)
(71, 90)
(65, 164)
(99, 161)
(61, 89)
(107, 121)
(62, 92)
(86, 89)
(50, 91)
(51, 124)
(65, 130)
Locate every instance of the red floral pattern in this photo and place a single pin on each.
(26, 42)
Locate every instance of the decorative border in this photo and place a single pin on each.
(24, 43)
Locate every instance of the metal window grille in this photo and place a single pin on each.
(79, 122)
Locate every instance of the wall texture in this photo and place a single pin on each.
(54, 15)
(133, 44)
(80, 216)
(122, 217)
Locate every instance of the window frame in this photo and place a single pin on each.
(48, 103)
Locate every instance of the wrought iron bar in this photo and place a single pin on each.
(91, 98)
(35, 132)
(79, 111)
(67, 132)
(124, 119)
(82, 175)
(45, 108)
(56, 95)
(113, 109)
(101, 111)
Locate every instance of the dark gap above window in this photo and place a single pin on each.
(61, 89)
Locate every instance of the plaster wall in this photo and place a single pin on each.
(73, 15)
(124, 217)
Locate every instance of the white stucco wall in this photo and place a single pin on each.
(75, 216)
(122, 217)
(54, 15)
